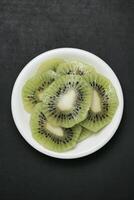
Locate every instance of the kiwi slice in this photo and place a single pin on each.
(50, 64)
(104, 103)
(67, 100)
(33, 89)
(52, 137)
(85, 133)
(74, 68)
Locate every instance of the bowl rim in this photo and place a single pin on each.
(56, 154)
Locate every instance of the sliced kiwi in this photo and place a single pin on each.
(52, 137)
(74, 68)
(85, 133)
(50, 64)
(104, 103)
(33, 89)
(67, 100)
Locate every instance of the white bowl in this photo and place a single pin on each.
(21, 117)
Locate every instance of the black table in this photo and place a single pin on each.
(30, 27)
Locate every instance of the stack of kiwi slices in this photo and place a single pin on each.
(68, 102)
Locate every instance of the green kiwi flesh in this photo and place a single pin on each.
(104, 103)
(33, 89)
(74, 68)
(51, 64)
(85, 133)
(53, 138)
(67, 100)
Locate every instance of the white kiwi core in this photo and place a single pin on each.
(66, 101)
(55, 130)
(96, 102)
(40, 95)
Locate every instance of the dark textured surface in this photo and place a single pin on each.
(30, 27)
